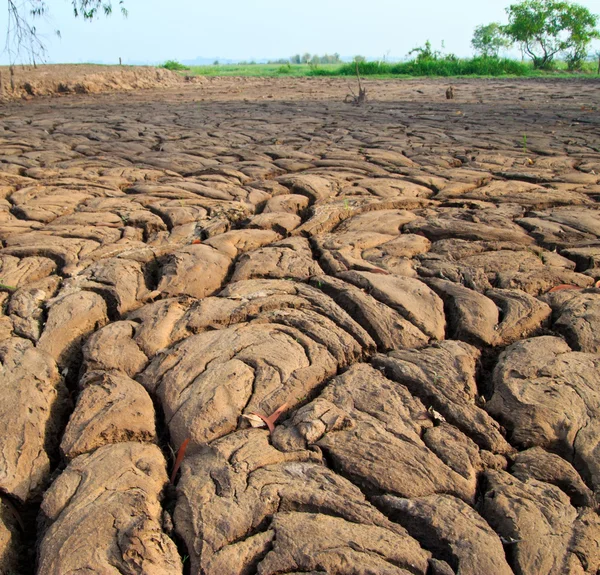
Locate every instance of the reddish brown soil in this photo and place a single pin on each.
(410, 285)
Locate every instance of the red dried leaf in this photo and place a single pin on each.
(562, 287)
(179, 459)
(379, 271)
(196, 241)
(271, 419)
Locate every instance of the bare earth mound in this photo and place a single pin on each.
(61, 79)
(371, 333)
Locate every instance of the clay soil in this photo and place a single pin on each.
(405, 292)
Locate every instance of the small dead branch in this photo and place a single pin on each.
(352, 98)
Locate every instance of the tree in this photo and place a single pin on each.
(582, 25)
(488, 40)
(547, 28)
(425, 53)
(22, 35)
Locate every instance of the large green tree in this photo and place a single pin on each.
(547, 28)
(22, 37)
(489, 39)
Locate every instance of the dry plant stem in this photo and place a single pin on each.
(179, 459)
(362, 92)
(271, 419)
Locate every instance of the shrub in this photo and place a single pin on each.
(440, 66)
(174, 65)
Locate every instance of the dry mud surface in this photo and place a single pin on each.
(389, 280)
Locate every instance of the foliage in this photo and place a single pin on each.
(582, 26)
(285, 69)
(489, 39)
(425, 53)
(427, 56)
(261, 70)
(22, 35)
(446, 66)
(547, 28)
(175, 66)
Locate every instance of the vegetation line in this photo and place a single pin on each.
(443, 66)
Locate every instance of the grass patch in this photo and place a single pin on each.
(445, 66)
(260, 70)
(174, 66)
(442, 67)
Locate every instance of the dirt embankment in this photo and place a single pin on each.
(405, 291)
(47, 80)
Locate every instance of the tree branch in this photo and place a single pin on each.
(21, 34)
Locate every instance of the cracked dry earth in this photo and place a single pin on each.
(393, 275)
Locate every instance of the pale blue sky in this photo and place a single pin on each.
(157, 30)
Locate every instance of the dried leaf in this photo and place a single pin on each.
(436, 415)
(379, 271)
(255, 420)
(562, 287)
(179, 459)
(271, 419)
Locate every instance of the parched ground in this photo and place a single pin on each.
(404, 291)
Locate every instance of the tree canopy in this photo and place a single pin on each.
(547, 28)
(22, 38)
(489, 39)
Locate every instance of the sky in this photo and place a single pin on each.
(156, 30)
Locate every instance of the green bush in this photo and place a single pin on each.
(174, 65)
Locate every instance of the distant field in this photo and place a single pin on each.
(442, 67)
(263, 70)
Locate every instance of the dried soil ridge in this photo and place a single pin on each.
(54, 80)
(410, 287)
